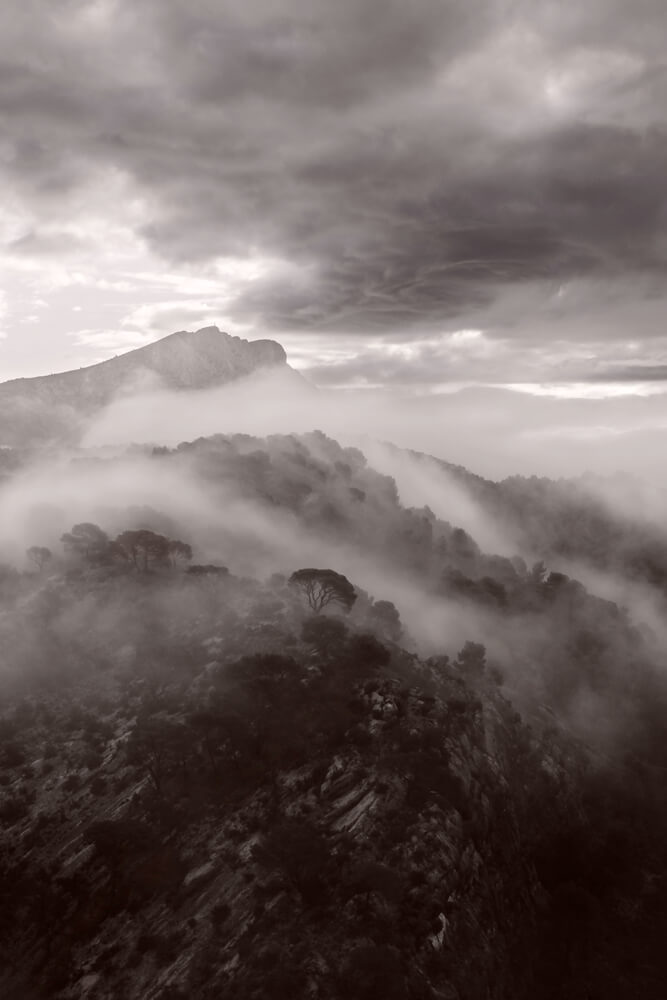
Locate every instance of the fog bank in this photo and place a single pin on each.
(493, 432)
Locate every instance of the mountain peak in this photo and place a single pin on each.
(212, 338)
(35, 408)
(200, 359)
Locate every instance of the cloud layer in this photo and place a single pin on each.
(386, 172)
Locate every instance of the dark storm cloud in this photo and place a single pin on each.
(314, 53)
(631, 373)
(603, 23)
(407, 163)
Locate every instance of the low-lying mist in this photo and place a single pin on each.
(401, 526)
(493, 432)
(422, 482)
(125, 491)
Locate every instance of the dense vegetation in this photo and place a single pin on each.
(598, 520)
(219, 785)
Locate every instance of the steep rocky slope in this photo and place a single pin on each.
(380, 838)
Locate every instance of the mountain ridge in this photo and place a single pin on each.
(187, 359)
(50, 407)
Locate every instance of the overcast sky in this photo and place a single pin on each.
(405, 193)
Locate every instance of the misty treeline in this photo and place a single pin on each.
(560, 648)
(164, 699)
(613, 523)
(156, 697)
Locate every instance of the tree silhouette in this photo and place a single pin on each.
(179, 552)
(324, 586)
(208, 570)
(267, 695)
(385, 616)
(87, 541)
(472, 657)
(143, 547)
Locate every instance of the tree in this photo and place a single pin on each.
(472, 657)
(208, 570)
(87, 541)
(324, 586)
(268, 697)
(39, 555)
(492, 590)
(463, 546)
(141, 547)
(127, 545)
(387, 619)
(179, 552)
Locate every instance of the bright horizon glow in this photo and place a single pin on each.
(586, 390)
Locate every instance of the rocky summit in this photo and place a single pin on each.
(51, 407)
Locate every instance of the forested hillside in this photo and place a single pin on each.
(224, 772)
(614, 523)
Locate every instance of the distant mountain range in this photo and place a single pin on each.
(52, 407)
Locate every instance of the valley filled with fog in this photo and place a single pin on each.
(495, 432)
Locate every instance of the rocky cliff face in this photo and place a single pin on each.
(393, 859)
(51, 407)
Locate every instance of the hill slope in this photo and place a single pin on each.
(206, 790)
(51, 407)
